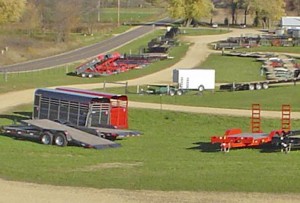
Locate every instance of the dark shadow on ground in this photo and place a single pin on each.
(205, 147)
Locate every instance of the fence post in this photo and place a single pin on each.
(5, 76)
(126, 87)
(104, 85)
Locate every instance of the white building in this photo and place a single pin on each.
(290, 22)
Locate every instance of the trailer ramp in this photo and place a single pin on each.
(79, 137)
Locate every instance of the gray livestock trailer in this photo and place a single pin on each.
(60, 117)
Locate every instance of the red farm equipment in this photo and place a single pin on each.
(235, 138)
(118, 103)
(113, 63)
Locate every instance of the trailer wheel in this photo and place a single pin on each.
(60, 140)
(83, 75)
(172, 92)
(251, 87)
(90, 75)
(179, 92)
(47, 138)
(201, 88)
(258, 86)
(265, 86)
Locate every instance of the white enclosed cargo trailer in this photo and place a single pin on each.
(194, 79)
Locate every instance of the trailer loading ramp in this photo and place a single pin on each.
(80, 137)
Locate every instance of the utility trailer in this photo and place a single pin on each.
(235, 138)
(194, 79)
(50, 132)
(118, 105)
(256, 85)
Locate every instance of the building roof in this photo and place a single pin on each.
(293, 21)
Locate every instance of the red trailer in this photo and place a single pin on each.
(107, 64)
(234, 138)
(119, 106)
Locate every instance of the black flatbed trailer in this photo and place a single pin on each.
(287, 141)
(258, 85)
(50, 132)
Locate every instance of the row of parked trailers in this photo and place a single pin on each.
(257, 40)
(108, 64)
(65, 116)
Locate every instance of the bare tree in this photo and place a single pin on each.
(67, 16)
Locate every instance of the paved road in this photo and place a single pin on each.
(82, 53)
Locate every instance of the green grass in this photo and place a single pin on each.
(270, 99)
(57, 76)
(233, 69)
(173, 154)
(202, 31)
(131, 15)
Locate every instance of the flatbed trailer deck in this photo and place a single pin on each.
(256, 85)
(49, 132)
(234, 138)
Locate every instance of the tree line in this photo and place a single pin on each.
(63, 16)
(265, 12)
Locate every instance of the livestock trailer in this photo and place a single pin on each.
(89, 112)
(194, 79)
(118, 105)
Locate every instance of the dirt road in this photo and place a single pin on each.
(11, 191)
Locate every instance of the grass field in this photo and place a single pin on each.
(202, 31)
(172, 154)
(270, 99)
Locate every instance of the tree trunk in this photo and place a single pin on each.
(245, 16)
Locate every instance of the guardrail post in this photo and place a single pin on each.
(5, 76)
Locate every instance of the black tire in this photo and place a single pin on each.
(201, 88)
(83, 75)
(171, 92)
(90, 75)
(258, 86)
(265, 86)
(179, 92)
(47, 138)
(251, 87)
(60, 140)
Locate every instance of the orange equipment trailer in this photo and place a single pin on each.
(235, 138)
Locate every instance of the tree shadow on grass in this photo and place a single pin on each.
(205, 147)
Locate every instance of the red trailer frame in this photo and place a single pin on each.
(119, 105)
(234, 138)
